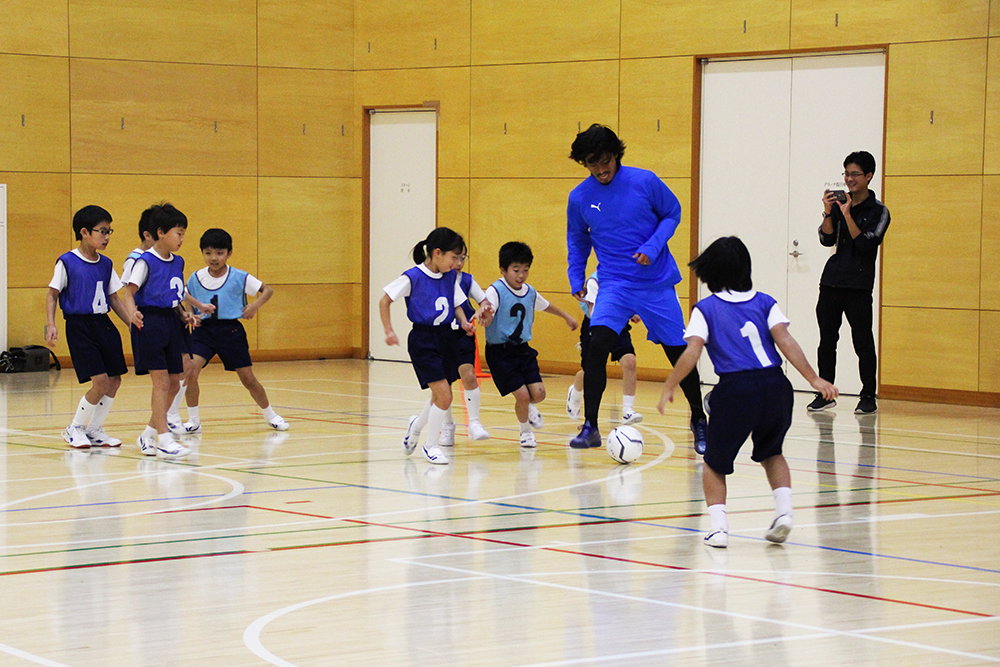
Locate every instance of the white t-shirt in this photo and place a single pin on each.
(541, 303)
(210, 282)
(400, 287)
(139, 272)
(697, 326)
(60, 279)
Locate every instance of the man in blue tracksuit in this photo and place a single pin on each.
(627, 216)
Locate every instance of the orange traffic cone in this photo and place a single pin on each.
(480, 373)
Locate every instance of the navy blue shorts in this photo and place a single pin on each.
(226, 338)
(757, 404)
(95, 346)
(512, 366)
(433, 354)
(466, 347)
(159, 345)
(622, 346)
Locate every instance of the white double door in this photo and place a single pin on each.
(774, 136)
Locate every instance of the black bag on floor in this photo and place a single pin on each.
(28, 359)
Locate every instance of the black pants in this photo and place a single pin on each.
(595, 374)
(833, 304)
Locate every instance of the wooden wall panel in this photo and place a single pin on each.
(991, 159)
(190, 31)
(989, 352)
(533, 211)
(402, 33)
(931, 252)
(306, 123)
(447, 86)
(305, 33)
(309, 230)
(990, 257)
(304, 317)
(656, 98)
(525, 117)
(226, 202)
(680, 244)
(994, 18)
(543, 31)
(26, 319)
(689, 27)
(170, 113)
(34, 27)
(930, 347)
(947, 79)
(453, 209)
(36, 89)
(39, 226)
(821, 23)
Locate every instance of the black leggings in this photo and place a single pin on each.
(595, 375)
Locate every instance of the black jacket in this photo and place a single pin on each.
(852, 266)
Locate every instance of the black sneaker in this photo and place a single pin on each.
(589, 437)
(820, 404)
(866, 406)
(700, 429)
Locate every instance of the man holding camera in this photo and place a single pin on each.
(854, 223)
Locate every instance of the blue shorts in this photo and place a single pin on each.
(466, 346)
(622, 346)
(226, 338)
(159, 345)
(512, 366)
(433, 354)
(757, 404)
(95, 346)
(657, 306)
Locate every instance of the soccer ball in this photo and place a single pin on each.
(624, 444)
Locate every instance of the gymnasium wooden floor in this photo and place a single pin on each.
(326, 546)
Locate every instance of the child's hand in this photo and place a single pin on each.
(666, 397)
(635, 319)
(827, 390)
(206, 308)
(189, 319)
(136, 319)
(571, 323)
(250, 310)
(484, 314)
(391, 338)
(470, 328)
(51, 335)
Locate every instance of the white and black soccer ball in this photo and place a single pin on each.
(624, 444)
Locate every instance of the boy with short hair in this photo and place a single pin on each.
(221, 332)
(156, 287)
(740, 328)
(86, 285)
(513, 363)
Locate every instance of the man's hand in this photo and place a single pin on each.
(641, 258)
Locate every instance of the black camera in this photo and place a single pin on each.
(839, 195)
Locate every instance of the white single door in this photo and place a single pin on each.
(774, 137)
(402, 211)
(3, 266)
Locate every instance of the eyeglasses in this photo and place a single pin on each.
(105, 232)
(602, 161)
(852, 174)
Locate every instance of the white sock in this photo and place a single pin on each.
(149, 432)
(525, 427)
(783, 501)
(435, 419)
(101, 412)
(627, 403)
(472, 403)
(422, 418)
(532, 410)
(175, 405)
(269, 413)
(164, 438)
(448, 417)
(84, 412)
(193, 414)
(717, 513)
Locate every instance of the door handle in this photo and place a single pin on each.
(796, 253)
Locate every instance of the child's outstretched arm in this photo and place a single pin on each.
(383, 311)
(263, 294)
(685, 364)
(570, 320)
(205, 308)
(790, 348)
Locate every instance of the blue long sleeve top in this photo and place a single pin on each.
(634, 213)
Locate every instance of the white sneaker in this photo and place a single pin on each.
(719, 539)
(528, 440)
(477, 432)
(631, 417)
(535, 418)
(447, 436)
(190, 427)
(435, 455)
(171, 449)
(175, 425)
(147, 445)
(574, 400)
(98, 438)
(411, 437)
(278, 423)
(76, 437)
(780, 527)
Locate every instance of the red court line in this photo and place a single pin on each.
(136, 561)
